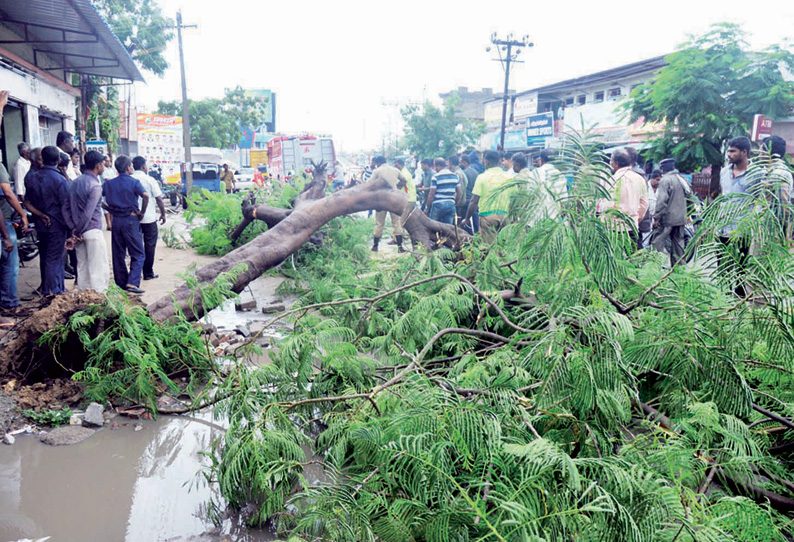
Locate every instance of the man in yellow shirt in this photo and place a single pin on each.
(227, 176)
(489, 199)
(384, 172)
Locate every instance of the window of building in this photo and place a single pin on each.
(569, 101)
(581, 99)
(614, 93)
(598, 97)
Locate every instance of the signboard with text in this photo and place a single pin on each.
(100, 146)
(160, 142)
(515, 139)
(540, 128)
(525, 105)
(762, 127)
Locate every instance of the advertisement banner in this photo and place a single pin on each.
(160, 142)
(540, 128)
(516, 139)
(492, 113)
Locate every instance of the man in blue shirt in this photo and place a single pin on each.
(444, 189)
(121, 200)
(45, 198)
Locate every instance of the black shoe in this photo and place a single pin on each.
(401, 249)
(68, 276)
(134, 289)
(150, 277)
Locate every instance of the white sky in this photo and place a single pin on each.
(334, 64)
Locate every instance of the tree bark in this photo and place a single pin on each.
(291, 229)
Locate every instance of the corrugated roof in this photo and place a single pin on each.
(73, 33)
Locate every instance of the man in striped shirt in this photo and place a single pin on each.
(444, 188)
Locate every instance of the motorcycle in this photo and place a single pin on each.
(27, 242)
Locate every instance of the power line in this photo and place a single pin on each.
(512, 49)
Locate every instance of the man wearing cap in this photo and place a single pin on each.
(381, 171)
(409, 189)
(670, 213)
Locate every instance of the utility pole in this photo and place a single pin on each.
(512, 48)
(185, 109)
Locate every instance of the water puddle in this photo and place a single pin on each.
(133, 480)
(119, 484)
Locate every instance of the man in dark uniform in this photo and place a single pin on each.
(121, 199)
(45, 198)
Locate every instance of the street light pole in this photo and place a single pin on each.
(185, 108)
(507, 45)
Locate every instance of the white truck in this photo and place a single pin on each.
(290, 155)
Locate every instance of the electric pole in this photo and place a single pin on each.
(512, 48)
(185, 108)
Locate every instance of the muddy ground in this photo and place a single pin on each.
(38, 315)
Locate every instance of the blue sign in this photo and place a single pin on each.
(515, 140)
(540, 127)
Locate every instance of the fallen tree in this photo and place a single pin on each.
(290, 229)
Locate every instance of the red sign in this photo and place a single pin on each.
(762, 127)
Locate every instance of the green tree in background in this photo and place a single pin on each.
(709, 92)
(433, 131)
(142, 28)
(218, 122)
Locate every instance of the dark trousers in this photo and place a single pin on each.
(71, 258)
(149, 232)
(52, 255)
(676, 236)
(126, 237)
(737, 252)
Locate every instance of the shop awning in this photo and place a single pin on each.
(71, 33)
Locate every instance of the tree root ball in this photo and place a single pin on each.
(18, 350)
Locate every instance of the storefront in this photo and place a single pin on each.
(42, 43)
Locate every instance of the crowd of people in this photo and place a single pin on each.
(474, 190)
(71, 203)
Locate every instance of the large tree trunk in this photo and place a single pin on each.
(291, 230)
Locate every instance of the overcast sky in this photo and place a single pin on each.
(339, 67)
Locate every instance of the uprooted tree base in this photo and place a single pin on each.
(22, 359)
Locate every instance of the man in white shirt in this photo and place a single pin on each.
(21, 168)
(149, 220)
(551, 186)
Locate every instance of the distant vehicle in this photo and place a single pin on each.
(206, 173)
(245, 178)
(288, 155)
(206, 169)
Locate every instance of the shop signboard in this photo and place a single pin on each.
(525, 105)
(100, 146)
(540, 128)
(515, 139)
(762, 127)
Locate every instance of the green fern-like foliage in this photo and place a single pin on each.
(559, 385)
(128, 355)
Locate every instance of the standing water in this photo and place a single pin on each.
(133, 480)
(123, 484)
